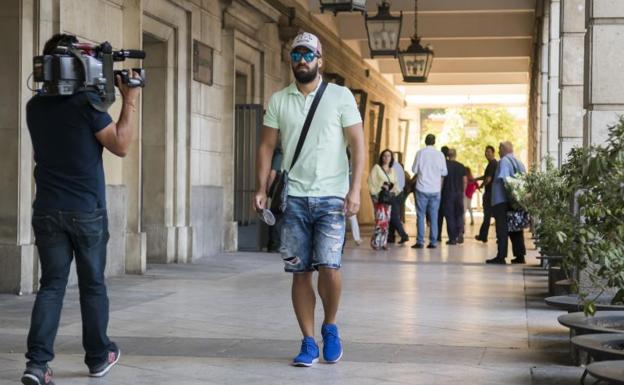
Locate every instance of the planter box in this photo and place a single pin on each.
(571, 303)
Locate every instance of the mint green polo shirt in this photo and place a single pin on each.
(322, 168)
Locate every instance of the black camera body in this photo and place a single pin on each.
(82, 67)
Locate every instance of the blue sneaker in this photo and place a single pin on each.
(309, 353)
(332, 346)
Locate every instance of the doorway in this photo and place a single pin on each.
(248, 124)
(156, 152)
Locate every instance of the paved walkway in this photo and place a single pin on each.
(407, 317)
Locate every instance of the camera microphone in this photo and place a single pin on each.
(129, 54)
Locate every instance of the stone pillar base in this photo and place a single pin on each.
(19, 269)
(136, 253)
(184, 243)
(161, 243)
(230, 236)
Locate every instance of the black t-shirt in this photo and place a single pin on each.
(454, 180)
(489, 172)
(69, 173)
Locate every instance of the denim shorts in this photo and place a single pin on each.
(313, 231)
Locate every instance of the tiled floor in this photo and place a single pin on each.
(407, 317)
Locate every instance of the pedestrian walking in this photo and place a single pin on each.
(382, 185)
(508, 166)
(486, 184)
(471, 188)
(429, 167)
(454, 187)
(398, 204)
(445, 151)
(315, 121)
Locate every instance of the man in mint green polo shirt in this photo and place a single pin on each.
(319, 194)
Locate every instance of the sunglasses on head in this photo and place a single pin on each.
(307, 56)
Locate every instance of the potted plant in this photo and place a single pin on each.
(590, 242)
(545, 196)
(597, 240)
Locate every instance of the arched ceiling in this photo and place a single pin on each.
(476, 42)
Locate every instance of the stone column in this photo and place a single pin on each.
(230, 242)
(543, 136)
(553, 81)
(18, 263)
(571, 111)
(136, 239)
(604, 75)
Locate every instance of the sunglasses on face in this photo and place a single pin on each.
(308, 56)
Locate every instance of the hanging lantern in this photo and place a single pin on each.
(416, 61)
(384, 31)
(336, 6)
(471, 129)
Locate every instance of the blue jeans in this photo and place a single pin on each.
(427, 204)
(59, 237)
(313, 231)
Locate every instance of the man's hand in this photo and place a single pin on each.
(129, 94)
(260, 200)
(352, 202)
(116, 137)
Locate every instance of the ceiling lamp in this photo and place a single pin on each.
(471, 127)
(416, 61)
(384, 32)
(336, 6)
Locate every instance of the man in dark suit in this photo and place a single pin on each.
(487, 178)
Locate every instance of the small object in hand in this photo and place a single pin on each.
(266, 216)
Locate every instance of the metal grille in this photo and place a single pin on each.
(248, 123)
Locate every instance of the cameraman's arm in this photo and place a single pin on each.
(116, 137)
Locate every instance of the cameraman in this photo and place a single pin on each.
(69, 217)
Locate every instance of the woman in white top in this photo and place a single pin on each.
(382, 184)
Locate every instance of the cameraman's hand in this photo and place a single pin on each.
(129, 94)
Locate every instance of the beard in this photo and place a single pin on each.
(304, 76)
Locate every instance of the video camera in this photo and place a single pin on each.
(82, 67)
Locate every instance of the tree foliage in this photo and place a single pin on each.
(494, 125)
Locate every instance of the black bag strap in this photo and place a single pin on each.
(308, 122)
(387, 176)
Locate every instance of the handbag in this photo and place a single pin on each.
(517, 220)
(279, 189)
(385, 196)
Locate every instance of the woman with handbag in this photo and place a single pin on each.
(383, 189)
(504, 208)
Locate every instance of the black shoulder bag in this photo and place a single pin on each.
(279, 189)
(385, 196)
